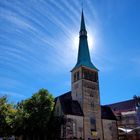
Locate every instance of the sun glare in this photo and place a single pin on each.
(89, 38)
(90, 42)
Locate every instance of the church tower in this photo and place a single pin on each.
(85, 88)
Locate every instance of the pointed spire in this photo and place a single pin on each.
(83, 52)
(83, 27)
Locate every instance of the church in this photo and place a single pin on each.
(83, 116)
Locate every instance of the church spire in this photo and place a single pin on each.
(83, 27)
(83, 52)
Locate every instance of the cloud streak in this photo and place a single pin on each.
(37, 47)
(12, 94)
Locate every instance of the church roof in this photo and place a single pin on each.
(72, 107)
(107, 113)
(124, 106)
(69, 106)
(83, 52)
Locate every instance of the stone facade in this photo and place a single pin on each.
(86, 92)
(79, 125)
(74, 126)
(110, 129)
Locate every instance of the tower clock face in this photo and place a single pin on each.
(89, 75)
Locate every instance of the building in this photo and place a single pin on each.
(128, 118)
(80, 111)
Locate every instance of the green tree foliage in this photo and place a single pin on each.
(29, 118)
(33, 114)
(7, 116)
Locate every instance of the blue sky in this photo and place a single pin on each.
(38, 46)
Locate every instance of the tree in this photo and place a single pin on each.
(33, 114)
(7, 115)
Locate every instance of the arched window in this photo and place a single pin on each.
(74, 129)
(93, 124)
(76, 76)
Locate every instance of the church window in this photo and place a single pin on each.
(62, 131)
(92, 104)
(89, 75)
(76, 76)
(74, 129)
(93, 124)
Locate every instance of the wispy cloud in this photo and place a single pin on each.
(12, 94)
(15, 19)
(37, 45)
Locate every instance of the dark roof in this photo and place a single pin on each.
(64, 96)
(128, 105)
(69, 106)
(107, 113)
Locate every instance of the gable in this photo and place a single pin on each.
(69, 106)
(107, 113)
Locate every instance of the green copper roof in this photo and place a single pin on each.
(83, 27)
(83, 52)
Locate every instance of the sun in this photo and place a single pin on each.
(89, 38)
